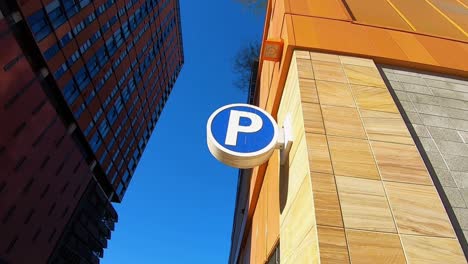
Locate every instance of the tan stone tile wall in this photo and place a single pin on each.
(365, 186)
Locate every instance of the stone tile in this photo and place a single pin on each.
(445, 177)
(403, 78)
(325, 57)
(357, 61)
(366, 76)
(421, 131)
(416, 88)
(444, 134)
(302, 54)
(388, 70)
(400, 163)
(364, 205)
(352, 157)
(392, 77)
(298, 219)
(456, 163)
(313, 122)
(395, 84)
(308, 91)
(371, 98)
(418, 210)
(432, 250)
(436, 160)
(382, 126)
(332, 244)
(343, 121)
(435, 121)
(334, 93)
(460, 178)
(423, 99)
(304, 68)
(329, 71)
(430, 109)
(450, 94)
(304, 253)
(402, 96)
(319, 156)
(458, 124)
(456, 113)
(464, 194)
(464, 136)
(455, 197)
(414, 118)
(462, 217)
(447, 83)
(453, 103)
(408, 106)
(452, 148)
(403, 71)
(373, 247)
(327, 205)
(428, 144)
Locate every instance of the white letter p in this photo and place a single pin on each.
(234, 127)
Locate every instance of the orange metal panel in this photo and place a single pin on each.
(377, 12)
(332, 35)
(413, 49)
(260, 216)
(384, 43)
(420, 51)
(446, 53)
(321, 8)
(427, 20)
(455, 11)
(272, 197)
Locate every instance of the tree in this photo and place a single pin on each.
(245, 61)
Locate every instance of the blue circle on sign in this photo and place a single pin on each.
(243, 129)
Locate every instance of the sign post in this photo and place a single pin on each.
(244, 136)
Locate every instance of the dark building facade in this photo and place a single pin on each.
(82, 86)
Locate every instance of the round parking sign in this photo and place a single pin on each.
(241, 135)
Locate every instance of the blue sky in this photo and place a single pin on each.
(179, 207)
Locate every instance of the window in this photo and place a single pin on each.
(88, 129)
(119, 188)
(92, 66)
(125, 177)
(111, 143)
(70, 92)
(104, 128)
(103, 156)
(56, 14)
(79, 111)
(118, 105)
(70, 8)
(82, 78)
(60, 71)
(50, 52)
(39, 25)
(97, 115)
(90, 97)
(95, 142)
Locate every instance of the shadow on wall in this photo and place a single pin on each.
(283, 185)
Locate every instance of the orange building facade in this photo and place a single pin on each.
(377, 94)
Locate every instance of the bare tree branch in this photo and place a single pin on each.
(256, 5)
(244, 61)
